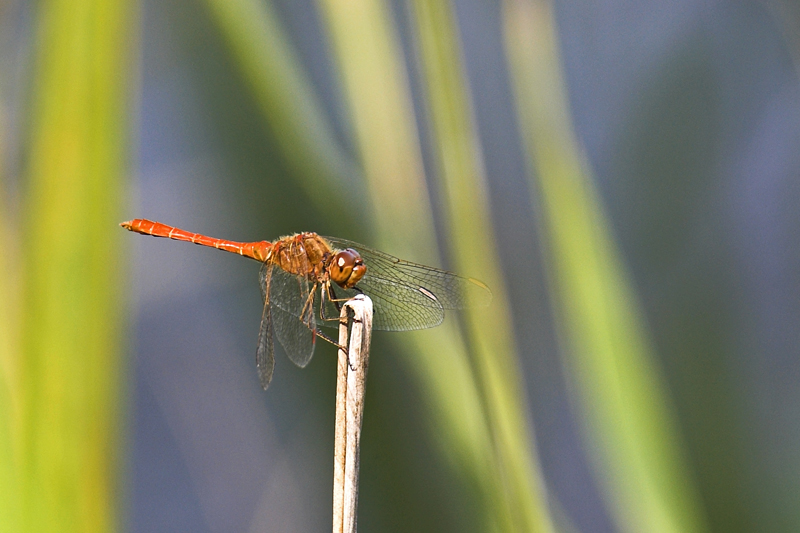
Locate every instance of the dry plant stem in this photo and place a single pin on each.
(350, 387)
(339, 445)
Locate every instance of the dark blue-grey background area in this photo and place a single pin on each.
(689, 115)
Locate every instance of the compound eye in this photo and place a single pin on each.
(347, 268)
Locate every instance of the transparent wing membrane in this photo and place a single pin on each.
(409, 295)
(397, 307)
(292, 314)
(265, 358)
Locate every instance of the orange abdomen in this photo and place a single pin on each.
(254, 250)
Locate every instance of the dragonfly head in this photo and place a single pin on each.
(347, 268)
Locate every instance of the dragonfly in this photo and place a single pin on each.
(304, 278)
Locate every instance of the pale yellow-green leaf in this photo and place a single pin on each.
(10, 385)
(625, 405)
(289, 104)
(519, 498)
(70, 308)
(375, 83)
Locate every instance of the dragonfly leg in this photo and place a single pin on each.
(325, 296)
(328, 290)
(308, 312)
(325, 337)
(335, 300)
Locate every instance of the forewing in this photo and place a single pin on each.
(293, 315)
(398, 307)
(409, 295)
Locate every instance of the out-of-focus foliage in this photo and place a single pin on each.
(626, 408)
(62, 292)
(10, 393)
(494, 447)
(627, 220)
(518, 490)
(289, 104)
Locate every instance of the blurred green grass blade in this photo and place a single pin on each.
(519, 496)
(71, 307)
(629, 423)
(290, 106)
(10, 387)
(379, 105)
(377, 94)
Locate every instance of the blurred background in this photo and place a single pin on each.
(623, 175)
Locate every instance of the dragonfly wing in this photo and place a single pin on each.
(398, 307)
(265, 358)
(292, 313)
(409, 295)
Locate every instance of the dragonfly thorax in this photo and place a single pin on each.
(308, 254)
(303, 254)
